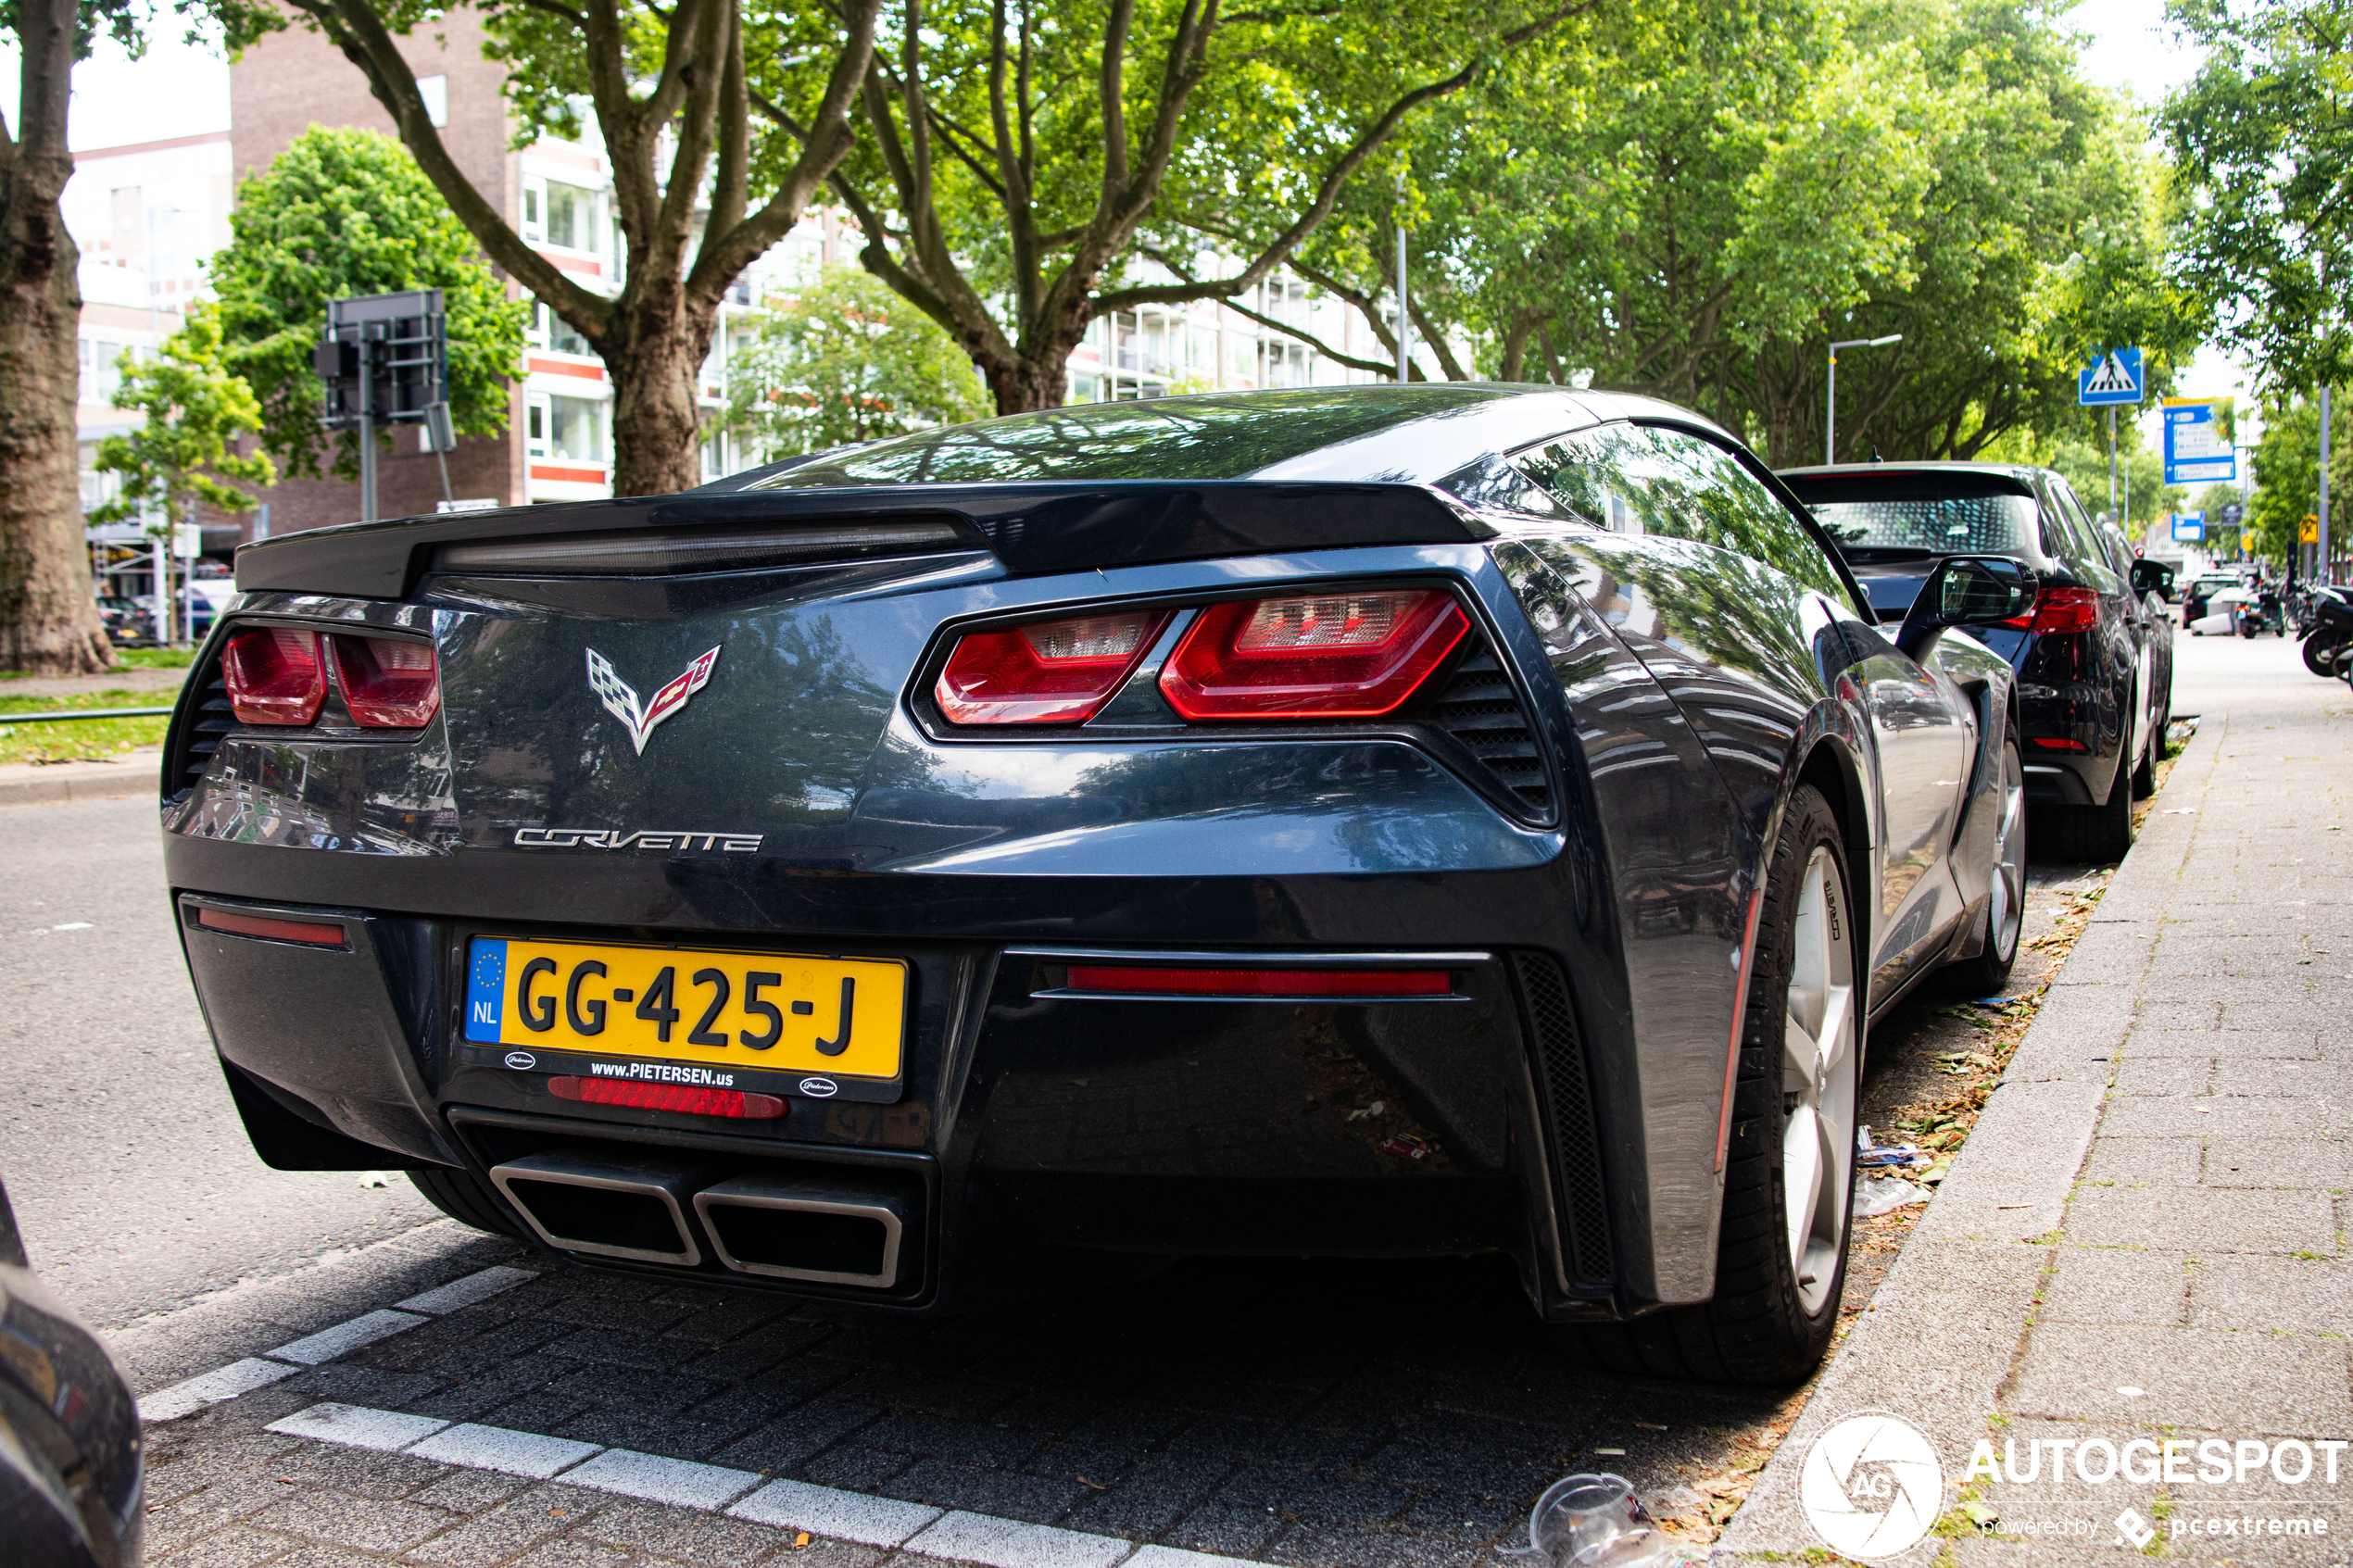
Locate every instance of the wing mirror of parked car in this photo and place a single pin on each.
(2153, 577)
(1965, 591)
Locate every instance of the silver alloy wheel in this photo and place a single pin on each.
(1818, 1064)
(2005, 912)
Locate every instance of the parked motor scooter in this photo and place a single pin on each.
(2331, 613)
(2258, 615)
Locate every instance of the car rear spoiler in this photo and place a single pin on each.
(1033, 529)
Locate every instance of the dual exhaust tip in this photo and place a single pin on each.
(819, 1229)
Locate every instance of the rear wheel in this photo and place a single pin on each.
(2092, 835)
(1780, 1255)
(463, 1198)
(2005, 889)
(2321, 651)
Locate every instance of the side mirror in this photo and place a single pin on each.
(2153, 577)
(1965, 591)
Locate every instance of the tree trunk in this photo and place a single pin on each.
(656, 420)
(48, 618)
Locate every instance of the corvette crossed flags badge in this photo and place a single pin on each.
(621, 700)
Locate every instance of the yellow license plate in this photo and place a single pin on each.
(765, 1012)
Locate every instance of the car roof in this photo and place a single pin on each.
(1376, 433)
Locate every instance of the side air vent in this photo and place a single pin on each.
(669, 552)
(200, 737)
(1560, 1064)
(1481, 709)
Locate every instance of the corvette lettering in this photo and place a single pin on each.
(613, 838)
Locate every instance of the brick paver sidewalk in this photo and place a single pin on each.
(2142, 1243)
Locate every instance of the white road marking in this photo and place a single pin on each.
(1006, 1543)
(791, 1505)
(480, 1286)
(838, 1515)
(679, 1482)
(237, 1377)
(356, 1426)
(345, 1337)
(496, 1447)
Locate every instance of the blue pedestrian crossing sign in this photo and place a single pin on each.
(2114, 377)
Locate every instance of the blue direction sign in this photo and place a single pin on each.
(2114, 377)
(2190, 527)
(2196, 450)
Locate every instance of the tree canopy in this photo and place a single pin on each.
(842, 360)
(1021, 158)
(2261, 141)
(194, 408)
(1695, 199)
(344, 212)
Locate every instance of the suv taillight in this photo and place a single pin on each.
(2059, 608)
(274, 675)
(1356, 655)
(388, 683)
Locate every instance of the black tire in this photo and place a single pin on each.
(1758, 1327)
(1985, 975)
(2145, 769)
(465, 1199)
(2319, 653)
(2092, 835)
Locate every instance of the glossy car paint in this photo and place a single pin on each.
(1612, 886)
(71, 1460)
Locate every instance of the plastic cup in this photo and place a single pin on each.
(1578, 1513)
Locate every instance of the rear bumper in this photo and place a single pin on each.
(1045, 1134)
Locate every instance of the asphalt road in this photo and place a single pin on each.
(126, 1163)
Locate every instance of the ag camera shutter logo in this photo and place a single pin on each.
(1871, 1485)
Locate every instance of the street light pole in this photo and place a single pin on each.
(1829, 423)
(2111, 464)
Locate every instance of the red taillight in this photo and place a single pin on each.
(1324, 656)
(669, 1096)
(2059, 608)
(1261, 981)
(273, 674)
(314, 933)
(388, 683)
(1048, 673)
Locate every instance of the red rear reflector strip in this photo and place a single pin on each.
(388, 683)
(2060, 745)
(274, 675)
(1046, 672)
(1355, 655)
(310, 933)
(668, 1097)
(1261, 982)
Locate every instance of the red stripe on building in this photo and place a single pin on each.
(563, 368)
(569, 476)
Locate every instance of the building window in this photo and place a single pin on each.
(571, 217)
(570, 430)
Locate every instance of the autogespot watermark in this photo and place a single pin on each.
(1873, 1486)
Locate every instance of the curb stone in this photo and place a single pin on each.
(26, 783)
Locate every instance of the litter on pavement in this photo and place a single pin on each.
(1881, 1195)
(1903, 1155)
(1588, 1521)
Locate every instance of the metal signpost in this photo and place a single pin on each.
(2321, 519)
(385, 361)
(1830, 419)
(2114, 378)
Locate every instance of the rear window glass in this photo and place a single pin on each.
(1176, 439)
(1893, 516)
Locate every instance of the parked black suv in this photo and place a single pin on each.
(2095, 669)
